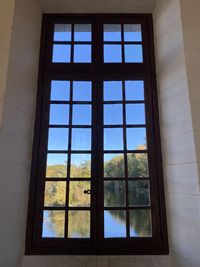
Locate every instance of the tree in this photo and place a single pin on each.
(115, 193)
(57, 171)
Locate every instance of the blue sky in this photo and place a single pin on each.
(82, 114)
(83, 52)
(112, 32)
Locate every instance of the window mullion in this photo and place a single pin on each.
(68, 162)
(125, 161)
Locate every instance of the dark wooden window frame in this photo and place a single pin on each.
(96, 71)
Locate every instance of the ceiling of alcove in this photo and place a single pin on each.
(97, 6)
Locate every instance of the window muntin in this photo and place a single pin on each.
(123, 43)
(125, 152)
(69, 141)
(72, 43)
(91, 169)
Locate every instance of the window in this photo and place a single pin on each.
(96, 179)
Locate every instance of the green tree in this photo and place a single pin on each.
(137, 167)
(57, 171)
(114, 167)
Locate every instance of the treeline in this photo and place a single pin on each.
(114, 193)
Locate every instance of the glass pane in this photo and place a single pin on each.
(135, 114)
(56, 166)
(112, 90)
(55, 193)
(59, 114)
(61, 53)
(114, 194)
(82, 115)
(138, 193)
(81, 139)
(140, 223)
(82, 32)
(134, 90)
(113, 139)
(58, 139)
(82, 53)
(136, 139)
(53, 223)
(60, 90)
(77, 229)
(62, 32)
(132, 32)
(80, 166)
(82, 91)
(112, 32)
(77, 194)
(112, 53)
(133, 53)
(113, 165)
(114, 223)
(113, 114)
(138, 165)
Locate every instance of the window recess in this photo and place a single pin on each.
(96, 179)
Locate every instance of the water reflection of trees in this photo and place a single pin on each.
(140, 221)
(54, 223)
(79, 222)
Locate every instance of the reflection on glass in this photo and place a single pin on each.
(60, 90)
(113, 139)
(114, 223)
(53, 223)
(82, 91)
(79, 224)
(80, 166)
(82, 53)
(112, 32)
(133, 53)
(55, 194)
(113, 165)
(77, 195)
(58, 139)
(132, 32)
(114, 194)
(81, 139)
(113, 114)
(135, 114)
(134, 90)
(138, 165)
(138, 193)
(56, 166)
(112, 53)
(62, 32)
(112, 90)
(136, 138)
(61, 53)
(81, 115)
(140, 223)
(59, 114)
(82, 32)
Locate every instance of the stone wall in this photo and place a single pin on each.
(18, 94)
(177, 52)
